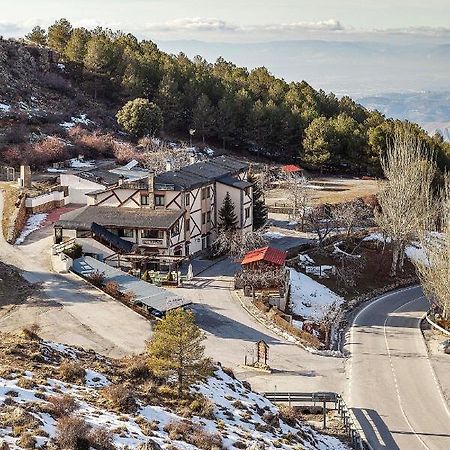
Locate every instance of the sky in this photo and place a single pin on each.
(237, 20)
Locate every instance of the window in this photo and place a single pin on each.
(152, 234)
(208, 217)
(144, 199)
(187, 199)
(206, 193)
(126, 232)
(175, 230)
(247, 213)
(248, 190)
(203, 218)
(187, 225)
(160, 200)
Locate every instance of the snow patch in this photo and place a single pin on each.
(274, 235)
(95, 379)
(76, 163)
(4, 107)
(378, 236)
(310, 299)
(81, 119)
(33, 223)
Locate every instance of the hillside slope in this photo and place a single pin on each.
(52, 395)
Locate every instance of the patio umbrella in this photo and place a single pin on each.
(190, 273)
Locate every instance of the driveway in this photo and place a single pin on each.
(392, 388)
(67, 309)
(232, 333)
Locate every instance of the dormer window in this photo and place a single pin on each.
(144, 199)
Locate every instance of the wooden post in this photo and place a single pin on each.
(324, 415)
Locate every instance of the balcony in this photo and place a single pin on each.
(153, 242)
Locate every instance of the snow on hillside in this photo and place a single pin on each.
(310, 299)
(239, 418)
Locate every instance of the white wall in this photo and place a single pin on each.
(32, 202)
(78, 188)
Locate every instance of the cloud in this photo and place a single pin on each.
(192, 24)
(423, 31)
(208, 24)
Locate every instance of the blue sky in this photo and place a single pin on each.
(237, 20)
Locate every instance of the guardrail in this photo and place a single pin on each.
(435, 325)
(324, 398)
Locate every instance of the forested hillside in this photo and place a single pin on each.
(226, 105)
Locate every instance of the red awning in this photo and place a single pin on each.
(268, 254)
(291, 168)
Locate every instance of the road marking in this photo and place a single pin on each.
(395, 376)
(374, 302)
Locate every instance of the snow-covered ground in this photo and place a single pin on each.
(239, 415)
(310, 299)
(274, 235)
(76, 163)
(33, 223)
(81, 119)
(4, 107)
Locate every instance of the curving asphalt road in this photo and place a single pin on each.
(392, 388)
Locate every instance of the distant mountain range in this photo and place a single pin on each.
(429, 109)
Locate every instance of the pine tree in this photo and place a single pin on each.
(259, 205)
(59, 35)
(77, 45)
(37, 35)
(203, 117)
(176, 350)
(225, 120)
(168, 99)
(227, 216)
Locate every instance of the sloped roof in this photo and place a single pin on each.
(230, 181)
(291, 168)
(112, 217)
(119, 244)
(268, 254)
(201, 173)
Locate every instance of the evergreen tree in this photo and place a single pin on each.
(259, 204)
(140, 117)
(37, 35)
(227, 216)
(203, 117)
(317, 143)
(168, 99)
(176, 350)
(225, 120)
(59, 35)
(76, 47)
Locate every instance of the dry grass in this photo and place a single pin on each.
(194, 434)
(10, 197)
(329, 190)
(62, 405)
(120, 398)
(72, 372)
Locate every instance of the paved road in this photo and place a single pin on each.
(232, 332)
(392, 388)
(66, 308)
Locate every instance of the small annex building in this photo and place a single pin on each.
(264, 257)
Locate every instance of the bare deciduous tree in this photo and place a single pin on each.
(405, 197)
(434, 269)
(236, 244)
(299, 197)
(320, 221)
(348, 215)
(156, 155)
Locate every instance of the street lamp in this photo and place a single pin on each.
(191, 133)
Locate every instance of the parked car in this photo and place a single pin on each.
(444, 346)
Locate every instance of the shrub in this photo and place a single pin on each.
(203, 407)
(96, 278)
(228, 371)
(57, 83)
(101, 438)
(193, 434)
(74, 252)
(71, 371)
(289, 414)
(72, 433)
(48, 150)
(112, 288)
(27, 441)
(136, 368)
(31, 332)
(120, 398)
(62, 405)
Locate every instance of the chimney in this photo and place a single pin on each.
(25, 176)
(120, 181)
(151, 189)
(168, 165)
(192, 159)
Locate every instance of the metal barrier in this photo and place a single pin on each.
(324, 398)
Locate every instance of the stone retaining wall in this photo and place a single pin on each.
(17, 221)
